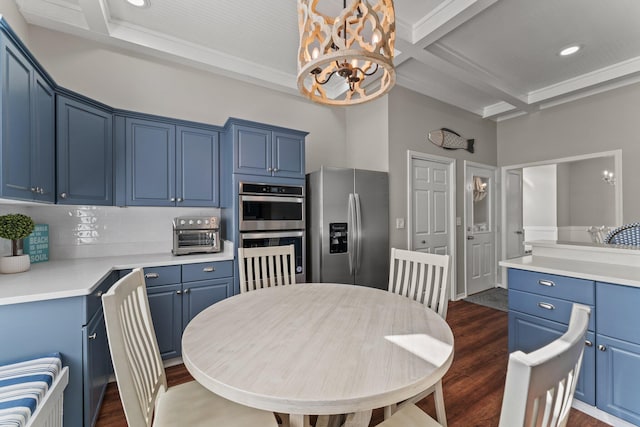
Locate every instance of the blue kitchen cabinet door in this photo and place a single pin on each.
(165, 304)
(618, 367)
(44, 144)
(96, 367)
(252, 151)
(197, 167)
(28, 138)
(288, 155)
(528, 333)
(85, 153)
(202, 294)
(150, 163)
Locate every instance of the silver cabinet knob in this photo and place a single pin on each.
(63, 195)
(269, 169)
(178, 292)
(602, 347)
(186, 291)
(179, 199)
(173, 199)
(40, 190)
(34, 189)
(588, 343)
(275, 169)
(93, 336)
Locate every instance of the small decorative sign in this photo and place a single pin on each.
(37, 244)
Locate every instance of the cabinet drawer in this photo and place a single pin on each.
(166, 275)
(545, 307)
(578, 290)
(93, 301)
(618, 311)
(206, 270)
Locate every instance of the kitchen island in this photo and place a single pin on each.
(57, 306)
(542, 288)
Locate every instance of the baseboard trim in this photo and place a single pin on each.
(600, 415)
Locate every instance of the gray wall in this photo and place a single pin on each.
(411, 117)
(602, 122)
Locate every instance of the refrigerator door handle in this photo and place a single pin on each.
(358, 237)
(351, 230)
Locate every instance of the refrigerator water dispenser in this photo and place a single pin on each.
(338, 237)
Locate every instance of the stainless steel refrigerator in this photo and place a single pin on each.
(348, 227)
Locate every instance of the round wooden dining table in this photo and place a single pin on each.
(318, 349)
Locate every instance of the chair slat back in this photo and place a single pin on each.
(628, 234)
(265, 267)
(134, 348)
(422, 277)
(540, 385)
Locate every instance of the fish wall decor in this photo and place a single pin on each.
(450, 140)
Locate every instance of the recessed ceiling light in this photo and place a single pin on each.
(139, 3)
(570, 50)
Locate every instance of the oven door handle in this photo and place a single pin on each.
(268, 234)
(247, 198)
(351, 229)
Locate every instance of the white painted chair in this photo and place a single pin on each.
(539, 386)
(140, 374)
(265, 267)
(422, 277)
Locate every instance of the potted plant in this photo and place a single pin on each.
(15, 227)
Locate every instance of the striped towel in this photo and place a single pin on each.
(23, 385)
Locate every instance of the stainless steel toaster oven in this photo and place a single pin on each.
(196, 234)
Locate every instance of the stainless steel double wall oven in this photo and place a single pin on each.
(273, 215)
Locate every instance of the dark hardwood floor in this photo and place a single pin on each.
(473, 387)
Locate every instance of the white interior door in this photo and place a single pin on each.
(431, 203)
(513, 209)
(431, 207)
(480, 222)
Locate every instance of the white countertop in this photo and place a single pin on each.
(78, 277)
(602, 272)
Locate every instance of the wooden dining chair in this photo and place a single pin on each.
(140, 375)
(264, 267)
(422, 277)
(539, 387)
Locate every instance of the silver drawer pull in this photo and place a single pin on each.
(93, 336)
(546, 306)
(588, 343)
(151, 275)
(546, 283)
(209, 269)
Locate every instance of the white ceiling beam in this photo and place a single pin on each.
(497, 109)
(96, 14)
(466, 74)
(446, 17)
(625, 69)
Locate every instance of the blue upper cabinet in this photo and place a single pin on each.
(28, 128)
(169, 165)
(150, 163)
(85, 153)
(268, 151)
(197, 170)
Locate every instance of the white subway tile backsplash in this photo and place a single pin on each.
(95, 231)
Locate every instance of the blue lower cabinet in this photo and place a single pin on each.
(619, 378)
(200, 295)
(177, 294)
(97, 366)
(528, 333)
(165, 304)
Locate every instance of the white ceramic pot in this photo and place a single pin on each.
(14, 264)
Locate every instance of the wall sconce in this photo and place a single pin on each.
(608, 177)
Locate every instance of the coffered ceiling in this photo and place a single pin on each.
(495, 58)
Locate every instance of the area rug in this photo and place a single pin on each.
(493, 298)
